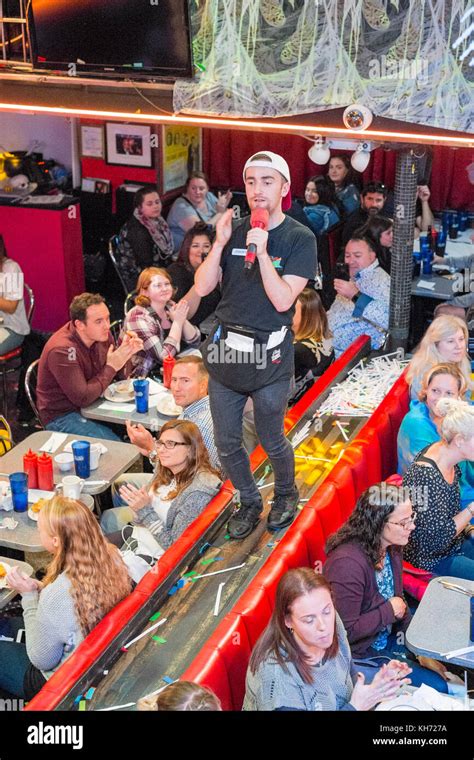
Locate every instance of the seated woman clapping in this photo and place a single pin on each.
(159, 322)
(440, 542)
(183, 486)
(84, 581)
(421, 426)
(364, 568)
(302, 660)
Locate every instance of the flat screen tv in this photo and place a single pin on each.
(118, 38)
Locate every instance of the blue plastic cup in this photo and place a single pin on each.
(142, 389)
(428, 263)
(19, 489)
(82, 458)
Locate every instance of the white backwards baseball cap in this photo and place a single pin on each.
(269, 160)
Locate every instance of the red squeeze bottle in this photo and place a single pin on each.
(30, 466)
(45, 473)
(168, 364)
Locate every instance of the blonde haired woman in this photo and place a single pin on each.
(440, 542)
(445, 341)
(314, 350)
(160, 322)
(84, 581)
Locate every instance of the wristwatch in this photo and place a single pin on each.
(470, 507)
(152, 456)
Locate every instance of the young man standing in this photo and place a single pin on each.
(250, 352)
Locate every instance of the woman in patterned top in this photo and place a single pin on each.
(302, 660)
(420, 426)
(364, 568)
(439, 542)
(158, 321)
(313, 341)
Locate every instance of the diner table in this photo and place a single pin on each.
(461, 247)
(441, 623)
(7, 594)
(118, 458)
(118, 413)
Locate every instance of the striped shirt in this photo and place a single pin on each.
(199, 412)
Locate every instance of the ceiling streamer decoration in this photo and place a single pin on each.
(281, 57)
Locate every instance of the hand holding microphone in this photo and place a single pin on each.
(258, 220)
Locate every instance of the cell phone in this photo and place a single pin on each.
(342, 271)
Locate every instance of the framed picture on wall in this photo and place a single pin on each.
(129, 145)
(181, 155)
(92, 142)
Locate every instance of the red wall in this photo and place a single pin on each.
(225, 153)
(98, 167)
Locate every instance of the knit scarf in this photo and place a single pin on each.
(159, 231)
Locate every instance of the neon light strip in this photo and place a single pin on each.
(206, 121)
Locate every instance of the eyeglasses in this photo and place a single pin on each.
(163, 285)
(169, 444)
(405, 523)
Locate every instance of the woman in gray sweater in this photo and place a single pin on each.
(302, 661)
(84, 581)
(184, 484)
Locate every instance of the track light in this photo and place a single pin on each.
(361, 157)
(319, 153)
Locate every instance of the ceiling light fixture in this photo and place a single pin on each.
(319, 153)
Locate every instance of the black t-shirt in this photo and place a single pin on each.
(292, 249)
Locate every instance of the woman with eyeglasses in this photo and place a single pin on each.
(161, 323)
(442, 540)
(145, 240)
(194, 249)
(364, 568)
(183, 485)
(421, 426)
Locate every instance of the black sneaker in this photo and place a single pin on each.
(283, 510)
(244, 521)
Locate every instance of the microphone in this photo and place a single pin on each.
(258, 218)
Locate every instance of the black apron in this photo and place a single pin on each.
(245, 372)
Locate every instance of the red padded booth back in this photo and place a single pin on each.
(369, 459)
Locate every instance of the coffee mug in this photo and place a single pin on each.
(95, 453)
(72, 486)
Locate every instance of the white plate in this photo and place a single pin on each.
(111, 393)
(46, 495)
(3, 581)
(163, 406)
